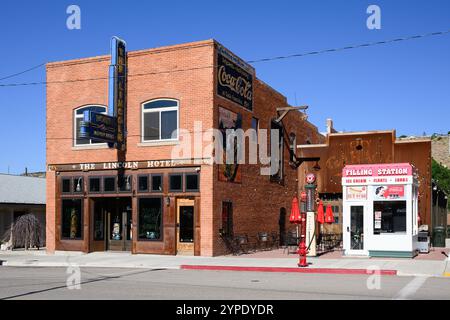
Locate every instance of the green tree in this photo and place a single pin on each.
(442, 175)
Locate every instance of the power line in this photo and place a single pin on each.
(22, 72)
(101, 78)
(371, 44)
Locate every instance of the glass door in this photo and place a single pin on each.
(185, 227)
(119, 222)
(356, 228)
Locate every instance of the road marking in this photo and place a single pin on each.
(447, 274)
(411, 288)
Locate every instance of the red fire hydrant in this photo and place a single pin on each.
(302, 249)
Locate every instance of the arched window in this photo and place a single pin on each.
(160, 120)
(78, 117)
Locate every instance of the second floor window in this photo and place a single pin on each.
(78, 117)
(160, 120)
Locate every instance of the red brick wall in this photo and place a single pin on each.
(257, 201)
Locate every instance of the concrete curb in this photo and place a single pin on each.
(84, 265)
(291, 270)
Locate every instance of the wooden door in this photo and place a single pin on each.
(185, 227)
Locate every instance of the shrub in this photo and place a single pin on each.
(26, 233)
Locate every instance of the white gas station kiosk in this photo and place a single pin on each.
(380, 217)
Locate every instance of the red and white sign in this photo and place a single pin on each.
(378, 170)
(356, 193)
(389, 192)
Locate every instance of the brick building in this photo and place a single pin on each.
(148, 200)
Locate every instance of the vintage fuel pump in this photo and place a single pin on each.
(302, 250)
(307, 220)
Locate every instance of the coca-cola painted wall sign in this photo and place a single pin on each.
(234, 83)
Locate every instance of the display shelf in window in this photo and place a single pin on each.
(150, 219)
(72, 219)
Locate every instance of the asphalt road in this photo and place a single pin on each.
(111, 284)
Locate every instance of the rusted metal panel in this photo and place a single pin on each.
(345, 149)
(375, 147)
(418, 153)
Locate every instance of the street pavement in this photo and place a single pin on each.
(403, 267)
(50, 283)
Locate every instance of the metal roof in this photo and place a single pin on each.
(22, 190)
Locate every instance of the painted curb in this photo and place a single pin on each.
(291, 270)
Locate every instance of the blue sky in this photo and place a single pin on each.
(403, 86)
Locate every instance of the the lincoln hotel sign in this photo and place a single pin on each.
(234, 83)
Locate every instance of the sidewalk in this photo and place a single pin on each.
(400, 267)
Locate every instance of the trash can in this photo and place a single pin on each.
(439, 237)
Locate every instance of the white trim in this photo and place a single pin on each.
(93, 146)
(157, 143)
(89, 145)
(159, 110)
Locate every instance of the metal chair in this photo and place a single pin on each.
(243, 244)
(291, 241)
(264, 240)
(275, 240)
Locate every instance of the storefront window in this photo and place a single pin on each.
(71, 217)
(125, 183)
(150, 219)
(157, 183)
(143, 183)
(176, 182)
(66, 185)
(109, 184)
(389, 217)
(192, 182)
(94, 184)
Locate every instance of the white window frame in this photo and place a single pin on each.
(159, 110)
(80, 116)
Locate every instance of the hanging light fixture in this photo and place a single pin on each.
(128, 185)
(78, 188)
